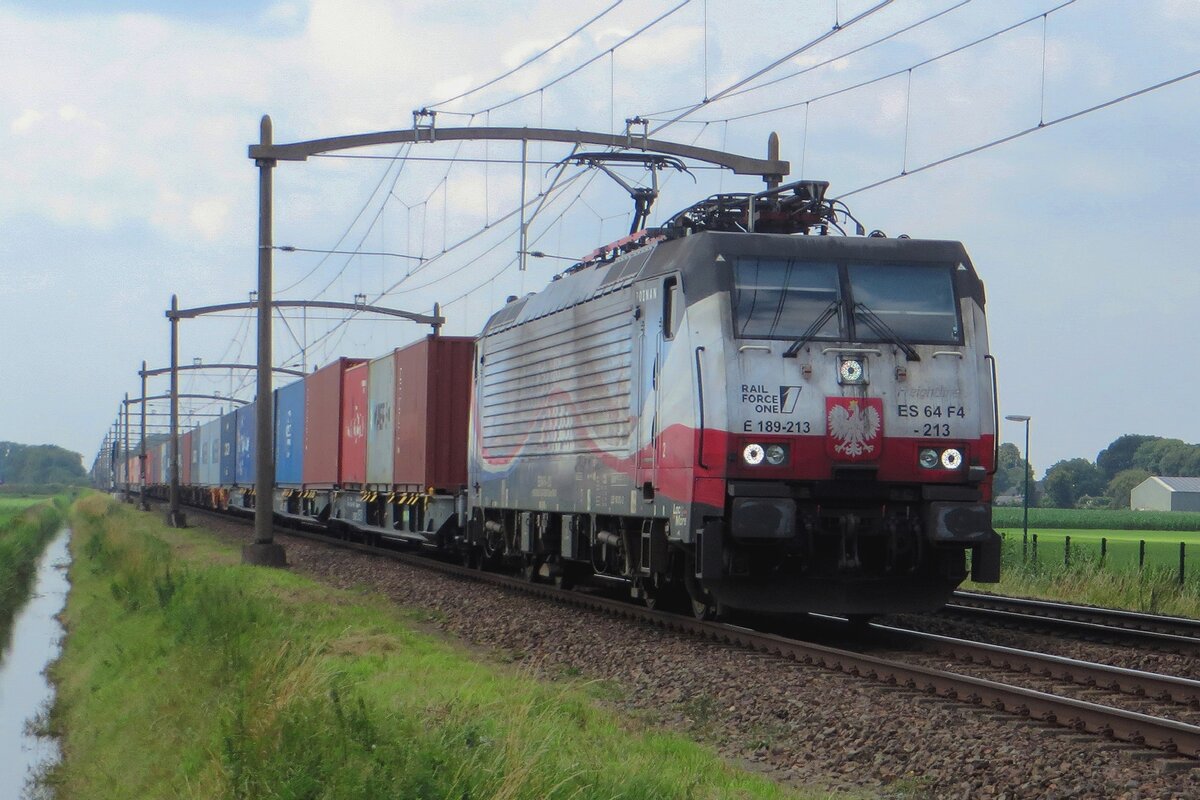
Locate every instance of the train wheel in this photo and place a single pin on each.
(704, 607)
(564, 577)
(660, 596)
(652, 595)
(533, 568)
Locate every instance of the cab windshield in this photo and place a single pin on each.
(776, 298)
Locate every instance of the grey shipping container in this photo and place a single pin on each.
(381, 422)
(210, 453)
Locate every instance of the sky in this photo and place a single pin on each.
(124, 127)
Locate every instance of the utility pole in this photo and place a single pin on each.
(264, 551)
(125, 453)
(142, 502)
(175, 517)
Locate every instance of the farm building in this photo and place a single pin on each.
(1166, 494)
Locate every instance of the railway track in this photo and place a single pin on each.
(1176, 634)
(1169, 737)
(1159, 688)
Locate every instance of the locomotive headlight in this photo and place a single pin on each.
(753, 454)
(928, 458)
(952, 458)
(851, 371)
(776, 454)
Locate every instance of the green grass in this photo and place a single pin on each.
(1121, 548)
(25, 528)
(1080, 518)
(1115, 582)
(1082, 575)
(186, 674)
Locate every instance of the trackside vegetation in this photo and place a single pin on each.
(1118, 558)
(26, 526)
(186, 674)
(1081, 575)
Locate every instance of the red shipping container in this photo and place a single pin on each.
(185, 459)
(354, 425)
(433, 400)
(152, 465)
(323, 423)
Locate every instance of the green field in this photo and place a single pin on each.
(10, 506)
(1096, 519)
(1121, 552)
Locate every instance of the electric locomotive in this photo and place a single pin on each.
(741, 411)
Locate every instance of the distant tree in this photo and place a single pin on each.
(1118, 456)
(1122, 484)
(40, 464)
(1067, 481)
(1171, 457)
(1010, 473)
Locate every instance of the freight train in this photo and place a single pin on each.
(736, 411)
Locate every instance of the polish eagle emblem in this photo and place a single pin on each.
(854, 425)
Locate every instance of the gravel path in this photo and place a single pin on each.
(802, 725)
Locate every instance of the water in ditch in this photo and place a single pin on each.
(25, 692)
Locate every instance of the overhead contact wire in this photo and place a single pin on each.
(825, 63)
(591, 60)
(392, 289)
(532, 59)
(1026, 132)
(357, 216)
(774, 64)
(894, 73)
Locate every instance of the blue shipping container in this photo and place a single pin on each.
(246, 419)
(289, 434)
(228, 447)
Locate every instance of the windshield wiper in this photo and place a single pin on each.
(883, 331)
(813, 329)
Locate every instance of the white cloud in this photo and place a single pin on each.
(210, 217)
(26, 121)
(283, 14)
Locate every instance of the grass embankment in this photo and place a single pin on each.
(186, 674)
(26, 525)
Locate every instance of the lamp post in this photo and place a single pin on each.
(1025, 495)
